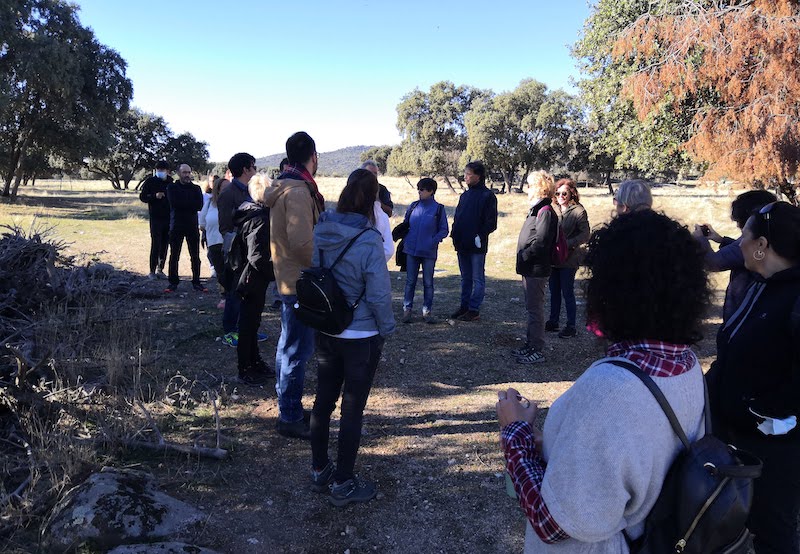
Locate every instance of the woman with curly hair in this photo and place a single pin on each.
(575, 226)
(755, 381)
(595, 471)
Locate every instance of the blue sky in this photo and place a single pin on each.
(243, 75)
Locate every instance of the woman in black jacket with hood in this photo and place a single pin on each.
(754, 384)
(534, 250)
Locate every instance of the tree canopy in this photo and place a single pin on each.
(617, 136)
(61, 91)
(734, 63)
(432, 126)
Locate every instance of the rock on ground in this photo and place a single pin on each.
(117, 507)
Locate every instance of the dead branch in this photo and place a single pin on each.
(152, 423)
(203, 452)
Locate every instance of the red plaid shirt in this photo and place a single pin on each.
(526, 466)
(658, 359)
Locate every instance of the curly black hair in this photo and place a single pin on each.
(647, 280)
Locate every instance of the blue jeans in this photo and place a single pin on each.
(473, 279)
(412, 272)
(562, 283)
(295, 347)
(233, 302)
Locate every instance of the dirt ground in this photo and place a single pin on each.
(431, 436)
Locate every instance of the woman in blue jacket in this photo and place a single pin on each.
(347, 362)
(427, 227)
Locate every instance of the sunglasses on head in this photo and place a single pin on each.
(765, 212)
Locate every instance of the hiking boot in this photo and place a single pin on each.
(351, 491)
(322, 481)
(231, 339)
(294, 430)
(459, 312)
(160, 274)
(151, 277)
(263, 368)
(551, 326)
(252, 377)
(199, 288)
(521, 351)
(568, 331)
(406, 316)
(427, 317)
(533, 356)
(261, 337)
(470, 315)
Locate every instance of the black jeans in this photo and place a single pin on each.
(776, 497)
(159, 240)
(250, 320)
(345, 366)
(176, 236)
(217, 260)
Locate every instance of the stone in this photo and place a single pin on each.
(116, 507)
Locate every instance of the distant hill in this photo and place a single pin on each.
(338, 163)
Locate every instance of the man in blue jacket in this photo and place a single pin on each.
(475, 219)
(185, 200)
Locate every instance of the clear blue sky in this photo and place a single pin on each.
(243, 75)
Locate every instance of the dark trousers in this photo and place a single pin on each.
(250, 320)
(217, 260)
(562, 283)
(533, 287)
(346, 367)
(159, 240)
(176, 236)
(776, 497)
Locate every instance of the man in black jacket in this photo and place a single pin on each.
(475, 219)
(185, 200)
(154, 194)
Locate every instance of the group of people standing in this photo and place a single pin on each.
(646, 296)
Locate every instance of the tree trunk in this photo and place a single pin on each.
(449, 184)
(607, 182)
(140, 183)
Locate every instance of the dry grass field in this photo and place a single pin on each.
(431, 438)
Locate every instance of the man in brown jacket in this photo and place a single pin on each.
(295, 204)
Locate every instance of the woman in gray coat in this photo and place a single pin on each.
(347, 362)
(575, 226)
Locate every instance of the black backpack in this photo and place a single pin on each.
(321, 304)
(705, 499)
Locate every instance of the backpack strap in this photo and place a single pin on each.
(346, 248)
(660, 398)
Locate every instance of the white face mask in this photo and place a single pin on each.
(161, 174)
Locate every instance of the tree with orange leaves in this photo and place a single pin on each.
(734, 65)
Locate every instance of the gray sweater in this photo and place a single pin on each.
(361, 270)
(608, 447)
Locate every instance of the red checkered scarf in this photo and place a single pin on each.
(658, 359)
(300, 173)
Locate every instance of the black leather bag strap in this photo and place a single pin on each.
(660, 398)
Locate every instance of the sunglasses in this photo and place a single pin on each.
(563, 193)
(765, 211)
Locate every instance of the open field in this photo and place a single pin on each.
(431, 436)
